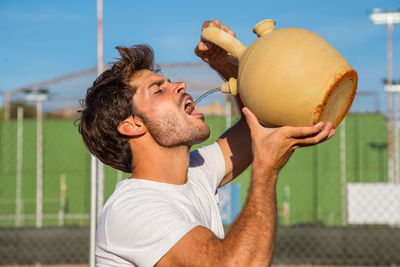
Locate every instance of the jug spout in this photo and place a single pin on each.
(230, 87)
(264, 27)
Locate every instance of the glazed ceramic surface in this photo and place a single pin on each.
(289, 76)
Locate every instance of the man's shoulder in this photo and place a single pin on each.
(205, 154)
(207, 166)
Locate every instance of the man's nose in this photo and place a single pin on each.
(180, 87)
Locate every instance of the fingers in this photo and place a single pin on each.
(208, 23)
(202, 48)
(207, 50)
(216, 23)
(207, 45)
(251, 119)
(301, 132)
(226, 29)
(324, 134)
(307, 135)
(331, 133)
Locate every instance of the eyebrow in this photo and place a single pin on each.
(158, 82)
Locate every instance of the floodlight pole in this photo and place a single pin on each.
(18, 187)
(343, 178)
(38, 97)
(39, 164)
(389, 18)
(389, 82)
(96, 167)
(100, 69)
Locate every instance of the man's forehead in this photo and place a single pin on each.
(143, 77)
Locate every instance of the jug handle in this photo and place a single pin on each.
(224, 40)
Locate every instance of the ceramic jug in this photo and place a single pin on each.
(289, 76)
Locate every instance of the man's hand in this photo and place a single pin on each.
(215, 56)
(272, 147)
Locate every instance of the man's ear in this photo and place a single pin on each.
(133, 126)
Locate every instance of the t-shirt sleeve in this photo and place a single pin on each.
(209, 161)
(143, 232)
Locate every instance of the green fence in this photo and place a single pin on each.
(309, 187)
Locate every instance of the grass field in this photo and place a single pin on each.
(312, 175)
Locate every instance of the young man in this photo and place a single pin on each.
(166, 214)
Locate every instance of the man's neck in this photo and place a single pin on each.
(162, 164)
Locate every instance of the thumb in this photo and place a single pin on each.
(251, 119)
(204, 46)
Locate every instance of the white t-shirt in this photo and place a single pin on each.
(143, 219)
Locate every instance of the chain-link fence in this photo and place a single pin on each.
(336, 204)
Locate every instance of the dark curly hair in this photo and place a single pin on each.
(108, 102)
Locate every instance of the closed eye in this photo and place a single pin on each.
(158, 84)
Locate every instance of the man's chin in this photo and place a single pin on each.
(201, 137)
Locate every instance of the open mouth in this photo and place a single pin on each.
(189, 106)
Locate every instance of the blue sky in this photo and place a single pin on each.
(43, 39)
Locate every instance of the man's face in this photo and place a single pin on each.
(162, 106)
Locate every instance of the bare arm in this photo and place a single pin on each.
(235, 145)
(251, 239)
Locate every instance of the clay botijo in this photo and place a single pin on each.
(289, 76)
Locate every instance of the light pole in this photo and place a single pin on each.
(389, 18)
(100, 69)
(343, 170)
(39, 96)
(394, 87)
(18, 186)
(96, 167)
